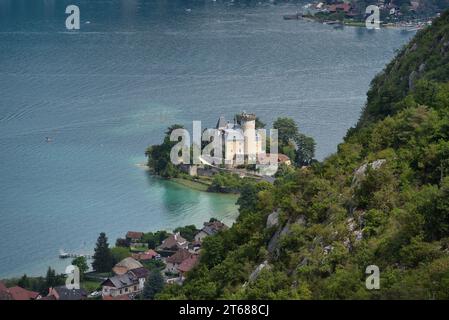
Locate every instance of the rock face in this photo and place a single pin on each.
(411, 79)
(273, 219)
(253, 276)
(328, 249)
(301, 220)
(272, 245)
(359, 174)
(422, 67)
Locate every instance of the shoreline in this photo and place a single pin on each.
(200, 183)
(362, 24)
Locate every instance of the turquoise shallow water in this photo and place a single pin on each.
(107, 91)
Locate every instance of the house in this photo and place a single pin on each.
(63, 293)
(209, 229)
(17, 293)
(146, 256)
(126, 265)
(175, 260)
(187, 265)
(3, 292)
(173, 243)
(195, 246)
(134, 236)
(341, 7)
(282, 159)
(129, 284)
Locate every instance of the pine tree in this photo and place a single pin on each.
(153, 285)
(102, 257)
(24, 282)
(50, 278)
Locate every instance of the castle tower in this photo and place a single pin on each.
(248, 123)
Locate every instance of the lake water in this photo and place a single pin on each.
(105, 92)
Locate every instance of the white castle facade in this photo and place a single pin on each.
(242, 143)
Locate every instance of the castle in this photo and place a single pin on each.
(241, 142)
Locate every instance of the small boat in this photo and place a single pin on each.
(48, 139)
(63, 254)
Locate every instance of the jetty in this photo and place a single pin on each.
(66, 255)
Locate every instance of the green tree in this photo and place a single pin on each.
(81, 263)
(159, 156)
(24, 282)
(153, 285)
(52, 279)
(297, 146)
(119, 253)
(287, 130)
(213, 250)
(154, 239)
(187, 232)
(102, 256)
(305, 149)
(435, 208)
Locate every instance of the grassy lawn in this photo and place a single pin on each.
(138, 249)
(90, 285)
(192, 184)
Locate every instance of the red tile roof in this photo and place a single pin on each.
(174, 241)
(188, 264)
(265, 158)
(346, 7)
(147, 255)
(134, 235)
(18, 293)
(179, 256)
(4, 295)
(283, 158)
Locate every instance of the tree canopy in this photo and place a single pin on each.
(103, 261)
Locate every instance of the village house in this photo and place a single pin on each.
(126, 265)
(187, 265)
(146, 256)
(134, 236)
(17, 293)
(175, 260)
(129, 284)
(195, 246)
(209, 229)
(64, 293)
(282, 159)
(173, 243)
(340, 7)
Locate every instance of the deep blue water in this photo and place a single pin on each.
(105, 92)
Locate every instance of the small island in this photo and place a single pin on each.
(235, 169)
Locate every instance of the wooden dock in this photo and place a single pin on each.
(66, 255)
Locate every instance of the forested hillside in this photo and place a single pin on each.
(382, 199)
